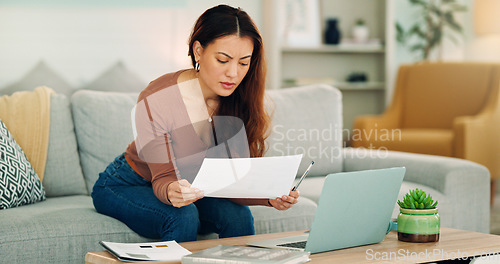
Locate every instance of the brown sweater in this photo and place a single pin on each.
(167, 147)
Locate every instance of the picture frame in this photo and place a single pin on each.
(301, 23)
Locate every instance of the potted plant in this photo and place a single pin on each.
(360, 31)
(436, 21)
(418, 220)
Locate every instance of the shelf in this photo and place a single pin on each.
(341, 48)
(343, 86)
(294, 66)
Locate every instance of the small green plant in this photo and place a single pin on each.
(360, 22)
(417, 199)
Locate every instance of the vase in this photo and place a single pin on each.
(332, 33)
(360, 33)
(418, 225)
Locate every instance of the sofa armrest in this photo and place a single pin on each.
(465, 184)
(476, 139)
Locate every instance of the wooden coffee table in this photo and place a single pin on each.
(453, 244)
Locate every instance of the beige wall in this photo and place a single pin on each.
(81, 39)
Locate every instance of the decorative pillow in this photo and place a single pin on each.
(19, 184)
(63, 173)
(118, 78)
(40, 74)
(101, 137)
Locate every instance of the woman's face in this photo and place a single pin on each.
(223, 64)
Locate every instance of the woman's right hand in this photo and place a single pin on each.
(180, 193)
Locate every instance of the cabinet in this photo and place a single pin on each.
(331, 64)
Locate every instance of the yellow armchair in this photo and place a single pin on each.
(446, 109)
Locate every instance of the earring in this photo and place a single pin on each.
(197, 66)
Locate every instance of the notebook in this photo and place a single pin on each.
(354, 209)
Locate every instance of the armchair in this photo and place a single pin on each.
(446, 109)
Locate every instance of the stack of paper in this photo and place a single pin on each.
(159, 251)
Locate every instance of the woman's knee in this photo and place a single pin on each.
(182, 225)
(100, 199)
(238, 222)
(242, 214)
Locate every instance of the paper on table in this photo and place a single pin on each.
(156, 251)
(267, 177)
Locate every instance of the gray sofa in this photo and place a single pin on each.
(87, 132)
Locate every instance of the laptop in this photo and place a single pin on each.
(354, 209)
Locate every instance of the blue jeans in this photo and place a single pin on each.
(123, 194)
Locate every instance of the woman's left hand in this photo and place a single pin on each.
(286, 201)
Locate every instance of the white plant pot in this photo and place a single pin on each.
(360, 34)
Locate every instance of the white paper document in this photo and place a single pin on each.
(156, 251)
(267, 177)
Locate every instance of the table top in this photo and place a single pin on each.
(452, 244)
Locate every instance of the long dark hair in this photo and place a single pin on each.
(247, 101)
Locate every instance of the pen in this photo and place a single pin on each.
(303, 176)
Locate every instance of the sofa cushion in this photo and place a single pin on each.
(269, 220)
(311, 188)
(434, 94)
(58, 230)
(19, 183)
(307, 120)
(63, 173)
(103, 128)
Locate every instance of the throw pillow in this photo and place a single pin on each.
(40, 74)
(118, 78)
(101, 137)
(19, 184)
(63, 173)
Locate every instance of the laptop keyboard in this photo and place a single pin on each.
(300, 244)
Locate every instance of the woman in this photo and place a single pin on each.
(182, 118)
